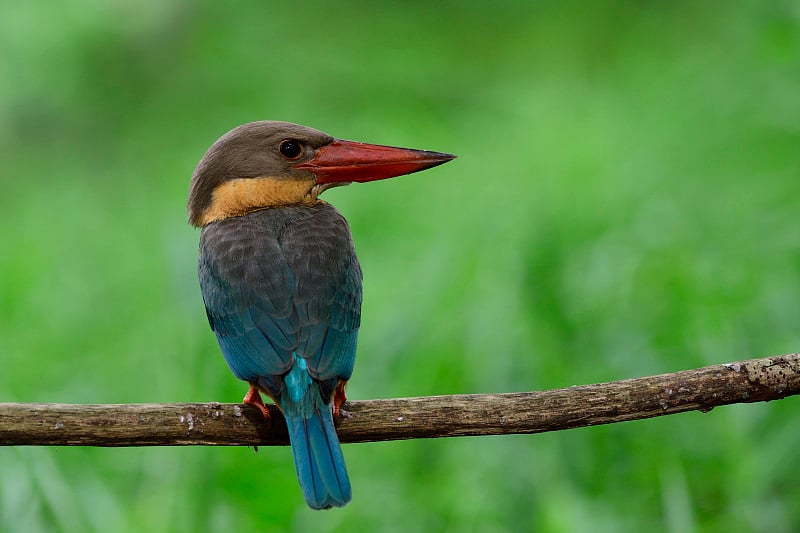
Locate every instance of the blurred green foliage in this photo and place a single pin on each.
(625, 203)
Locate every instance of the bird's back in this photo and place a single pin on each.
(283, 281)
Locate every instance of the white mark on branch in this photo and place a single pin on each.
(189, 419)
(399, 418)
(59, 425)
(237, 411)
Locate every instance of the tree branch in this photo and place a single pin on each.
(702, 389)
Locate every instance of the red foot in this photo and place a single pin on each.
(339, 398)
(253, 397)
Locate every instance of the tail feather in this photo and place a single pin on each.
(318, 460)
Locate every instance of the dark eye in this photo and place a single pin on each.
(290, 149)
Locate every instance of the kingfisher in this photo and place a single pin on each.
(280, 279)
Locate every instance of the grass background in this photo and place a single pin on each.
(624, 203)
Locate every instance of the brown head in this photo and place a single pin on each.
(269, 164)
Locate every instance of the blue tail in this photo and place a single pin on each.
(317, 455)
(318, 460)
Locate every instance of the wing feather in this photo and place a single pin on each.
(280, 282)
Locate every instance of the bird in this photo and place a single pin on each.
(280, 279)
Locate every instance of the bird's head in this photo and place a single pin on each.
(270, 164)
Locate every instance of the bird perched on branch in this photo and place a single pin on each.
(280, 278)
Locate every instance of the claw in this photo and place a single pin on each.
(253, 397)
(339, 397)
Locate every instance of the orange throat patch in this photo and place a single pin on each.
(238, 197)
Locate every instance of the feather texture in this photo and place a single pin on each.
(282, 290)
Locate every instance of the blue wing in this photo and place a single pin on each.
(281, 283)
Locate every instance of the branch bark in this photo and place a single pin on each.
(702, 389)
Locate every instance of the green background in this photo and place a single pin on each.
(624, 204)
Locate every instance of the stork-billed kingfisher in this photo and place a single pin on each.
(280, 279)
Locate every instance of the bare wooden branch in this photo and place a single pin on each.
(756, 380)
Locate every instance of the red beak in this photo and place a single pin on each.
(346, 161)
